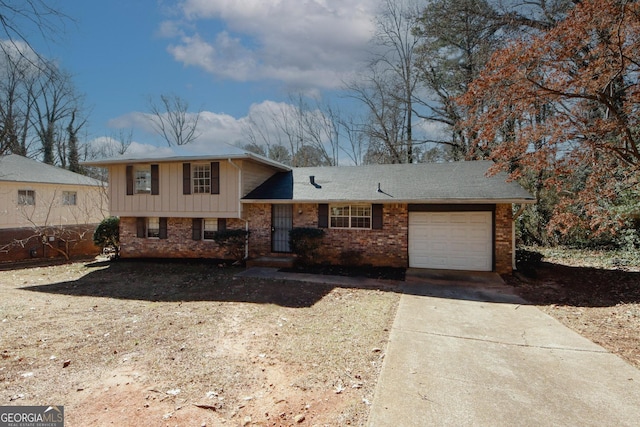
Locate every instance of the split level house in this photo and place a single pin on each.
(47, 211)
(427, 215)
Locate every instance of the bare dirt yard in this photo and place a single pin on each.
(596, 293)
(188, 344)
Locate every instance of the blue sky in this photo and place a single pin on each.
(231, 59)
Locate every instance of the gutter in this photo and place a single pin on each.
(246, 222)
(401, 201)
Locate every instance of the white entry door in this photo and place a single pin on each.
(451, 240)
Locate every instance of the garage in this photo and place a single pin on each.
(451, 240)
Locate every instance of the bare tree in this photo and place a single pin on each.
(171, 120)
(298, 132)
(351, 131)
(21, 20)
(56, 104)
(17, 96)
(385, 124)
(456, 40)
(59, 238)
(388, 90)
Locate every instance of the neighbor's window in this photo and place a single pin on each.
(69, 198)
(201, 174)
(26, 197)
(142, 179)
(350, 216)
(209, 228)
(153, 227)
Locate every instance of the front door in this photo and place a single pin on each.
(281, 224)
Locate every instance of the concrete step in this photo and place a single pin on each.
(272, 261)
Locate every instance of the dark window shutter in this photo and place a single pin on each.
(222, 224)
(376, 217)
(163, 228)
(129, 180)
(186, 178)
(196, 229)
(215, 177)
(162, 233)
(323, 215)
(155, 180)
(141, 225)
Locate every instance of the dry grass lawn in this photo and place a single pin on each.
(188, 344)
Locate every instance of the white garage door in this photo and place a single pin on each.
(451, 240)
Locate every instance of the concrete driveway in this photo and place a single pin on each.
(464, 350)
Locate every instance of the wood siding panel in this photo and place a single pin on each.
(253, 175)
(170, 201)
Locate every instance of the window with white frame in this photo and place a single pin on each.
(142, 179)
(26, 197)
(69, 198)
(350, 216)
(209, 228)
(153, 227)
(201, 174)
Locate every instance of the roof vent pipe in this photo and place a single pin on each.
(312, 179)
(379, 189)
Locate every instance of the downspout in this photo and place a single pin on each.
(246, 222)
(513, 235)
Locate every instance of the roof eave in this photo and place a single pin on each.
(391, 200)
(244, 156)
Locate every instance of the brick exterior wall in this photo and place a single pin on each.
(503, 248)
(80, 243)
(178, 244)
(385, 247)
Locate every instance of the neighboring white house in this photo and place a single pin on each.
(46, 211)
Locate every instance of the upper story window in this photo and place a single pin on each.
(69, 198)
(26, 197)
(142, 179)
(201, 178)
(350, 216)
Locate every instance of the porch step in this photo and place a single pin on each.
(271, 261)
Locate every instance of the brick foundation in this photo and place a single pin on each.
(178, 244)
(79, 238)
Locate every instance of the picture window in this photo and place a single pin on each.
(350, 216)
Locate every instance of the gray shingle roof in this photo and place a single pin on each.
(456, 182)
(16, 168)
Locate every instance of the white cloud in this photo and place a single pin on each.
(132, 120)
(226, 57)
(302, 43)
(218, 132)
